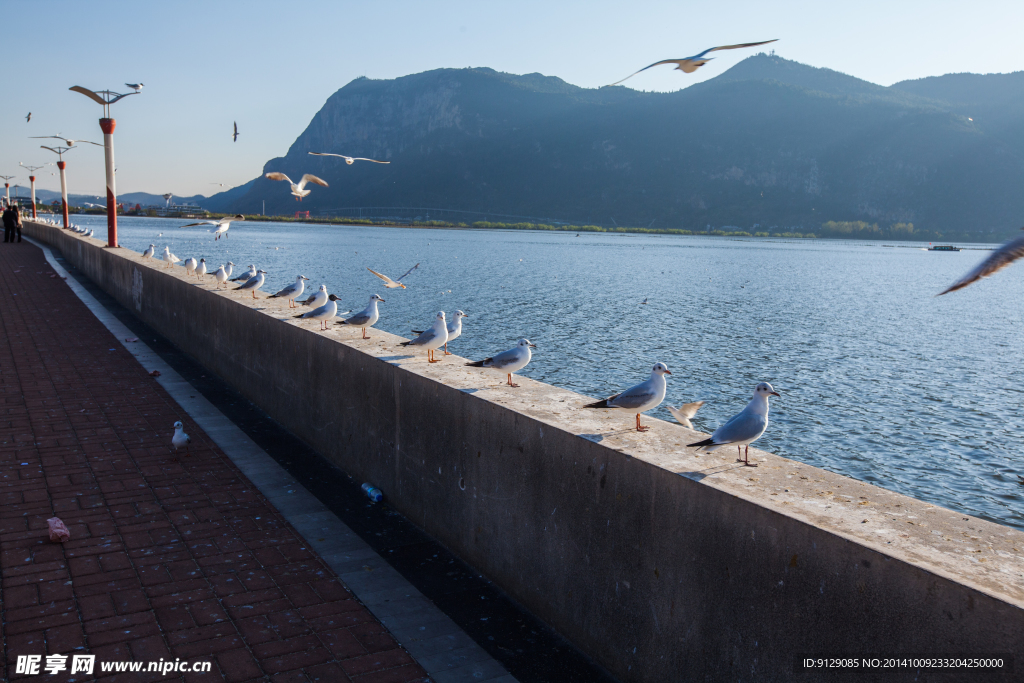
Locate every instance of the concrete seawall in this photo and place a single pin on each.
(659, 564)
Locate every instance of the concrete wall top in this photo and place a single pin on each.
(968, 551)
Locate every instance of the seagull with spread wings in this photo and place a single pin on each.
(348, 160)
(234, 138)
(393, 284)
(298, 190)
(690, 64)
(997, 260)
(67, 141)
(222, 225)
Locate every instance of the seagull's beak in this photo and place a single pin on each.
(667, 372)
(401, 285)
(775, 393)
(533, 346)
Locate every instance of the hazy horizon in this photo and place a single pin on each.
(206, 65)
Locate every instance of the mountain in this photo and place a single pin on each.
(128, 198)
(769, 142)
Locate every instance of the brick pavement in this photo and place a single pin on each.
(169, 558)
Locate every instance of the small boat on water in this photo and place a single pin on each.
(943, 247)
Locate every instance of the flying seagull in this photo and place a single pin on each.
(28, 118)
(639, 398)
(298, 190)
(745, 427)
(67, 141)
(996, 261)
(691, 64)
(684, 413)
(393, 284)
(137, 87)
(234, 138)
(348, 160)
(222, 225)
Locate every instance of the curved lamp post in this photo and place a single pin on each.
(60, 151)
(107, 98)
(7, 189)
(32, 179)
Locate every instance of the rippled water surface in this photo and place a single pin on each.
(880, 380)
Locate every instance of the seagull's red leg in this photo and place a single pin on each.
(446, 349)
(638, 427)
(510, 382)
(746, 460)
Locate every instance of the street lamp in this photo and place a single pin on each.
(7, 188)
(60, 151)
(32, 179)
(107, 98)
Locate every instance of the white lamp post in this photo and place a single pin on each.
(60, 151)
(32, 179)
(7, 189)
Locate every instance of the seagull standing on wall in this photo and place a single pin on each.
(640, 398)
(297, 190)
(690, 64)
(170, 258)
(433, 338)
(744, 428)
(324, 313)
(293, 291)
(368, 317)
(254, 283)
(317, 298)
(149, 252)
(509, 362)
(201, 269)
(247, 275)
(454, 329)
(221, 276)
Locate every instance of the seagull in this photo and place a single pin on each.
(67, 141)
(294, 290)
(640, 398)
(222, 225)
(137, 87)
(323, 313)
(393, 284)
(230, 267)
(91, 232)
(685, 412)
(745, 427)
(691, 64)
(513, 360)
(169, 257)
(367, 317)
(201, 269)
(221, 276)
(996, 261)
(29, 118)
(190, 265)
(234, 138)
(248, 275)
(180, 438)
(318, 298)
(254, 282)
(433, 338)
(454, 329)
(348, 160)
(298, 190)
(644, 302)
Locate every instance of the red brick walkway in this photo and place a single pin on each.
(168, 559)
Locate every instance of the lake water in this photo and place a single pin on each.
(880, 380)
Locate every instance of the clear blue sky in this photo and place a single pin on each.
(271, 65)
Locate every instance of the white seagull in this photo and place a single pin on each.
(513, 360)
(221, 276)
(149, 252)
(690, 64)
(137, 87)
(190, 265)
(393, 284)
(454, 329)
(745, 427)
(247, 275)
(229, 268)
(294, 290)
(368, 317)
(254, 283)
(433, 338)
(67, 141)
(201, 269)
(640, 398)
(222, 225)
(317, 298)
(684, 413)
(180, 438)
(348, 160)
(996, 261)
(298, 190)
(323, 313)
(170, 258)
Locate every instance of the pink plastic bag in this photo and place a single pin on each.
(58, 532)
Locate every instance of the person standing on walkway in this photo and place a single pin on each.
(8, 219)
(16, 220)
